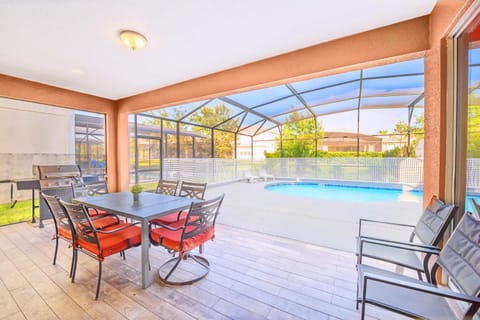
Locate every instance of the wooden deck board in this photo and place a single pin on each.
(253, 276)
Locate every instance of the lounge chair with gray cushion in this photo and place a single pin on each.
(426, 235)
(459, 259)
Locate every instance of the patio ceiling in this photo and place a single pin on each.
(75, 45)
(399, 85)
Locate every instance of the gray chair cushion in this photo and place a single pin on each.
(433, 222)
(398, 298)
(460, 257)
(429, 230)
(401, 257)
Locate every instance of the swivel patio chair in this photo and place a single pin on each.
(192, 190)
(99, 243)
(184, 236)
(169, 187)
(428, 232)
(459, 259)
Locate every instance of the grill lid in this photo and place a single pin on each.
(58, 171)
(58, 176)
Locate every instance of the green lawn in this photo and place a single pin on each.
(21, 212)
(23, 209)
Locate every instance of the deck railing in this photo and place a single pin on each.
(379, 170)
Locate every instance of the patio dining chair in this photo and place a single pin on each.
(192, 190)
(63, 226)
(427, 233)
(91, 189)
(185, 235)
(459, 259)
(169, 187)
(99, 243)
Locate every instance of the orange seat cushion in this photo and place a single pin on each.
(92, 212)
(114, 242)
(65, 233)
(171, 239)
(100, 223)
(104, 222)
(170, 218)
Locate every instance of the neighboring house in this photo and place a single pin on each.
(345, 141)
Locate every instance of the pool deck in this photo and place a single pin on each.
(327, 223)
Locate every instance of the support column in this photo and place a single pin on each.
(440, 22)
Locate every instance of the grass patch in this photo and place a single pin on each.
(150, 186)
(21, 212)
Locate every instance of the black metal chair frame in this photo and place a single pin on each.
(169, 187)
(193, 190)
(82, 189)
(89, 189)
(61, 220)
(85, 230)
(201, 216)
(416, 286)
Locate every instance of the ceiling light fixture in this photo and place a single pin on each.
(132, 39)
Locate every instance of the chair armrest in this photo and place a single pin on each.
(161, 225)
(117, 229)
(381, 222)
(417, 287)
(399, 245)
(105, 215)
(394, 242)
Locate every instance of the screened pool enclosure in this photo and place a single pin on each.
(354, 116)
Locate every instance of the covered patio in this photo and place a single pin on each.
(257, 270)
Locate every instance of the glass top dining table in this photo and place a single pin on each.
(149, 206)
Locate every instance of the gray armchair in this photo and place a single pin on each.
(425, 236)
(459, 259)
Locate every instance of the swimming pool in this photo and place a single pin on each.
(344, 193)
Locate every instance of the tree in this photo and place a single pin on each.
(298, 137)
(210, 117)
(403, 131)
(473, 131)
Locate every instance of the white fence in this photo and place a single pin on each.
(375, 170)
(379, 170)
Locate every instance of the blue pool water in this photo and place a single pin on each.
(344, 193)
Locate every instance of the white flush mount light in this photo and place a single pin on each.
(132, 39)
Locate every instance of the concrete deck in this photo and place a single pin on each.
(327, 223)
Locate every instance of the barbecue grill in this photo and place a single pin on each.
(56, 180)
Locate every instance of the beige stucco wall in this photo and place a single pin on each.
(32, 134)
(27, 127)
